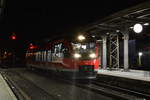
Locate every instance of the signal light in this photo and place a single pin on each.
(13, 37)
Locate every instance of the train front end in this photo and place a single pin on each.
(85, 59)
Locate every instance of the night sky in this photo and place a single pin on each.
(33, 20)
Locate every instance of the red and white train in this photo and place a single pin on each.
(79, 60)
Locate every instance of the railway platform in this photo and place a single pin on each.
(5, 91)
(134, 80)
(131, 74)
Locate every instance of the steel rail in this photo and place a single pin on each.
(124, 90)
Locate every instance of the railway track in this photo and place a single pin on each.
(123, 90)
(116, 93)
(108, 92)
(24, 89)
(20, 95)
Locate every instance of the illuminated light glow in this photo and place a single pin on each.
(32, 47)
(93, 36)
(107, 33)
(84, 46)
(138, 28)
(13, 37)
(78, 46)
(99, 40)
(117, 31)
(92, 55)
(76, 55)
(5, 52)
(140, 53)
(131, 27)
(31, 44)
(146, 24)
(81, 37)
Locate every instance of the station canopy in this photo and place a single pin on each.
(121, 21)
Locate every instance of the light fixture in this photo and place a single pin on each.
(93, 36)
(81, 37)
(138, 28)
(146, 24)
(92, 55)
(76, 55)
(84, 47)
(98, 40)
(117, 31)
(131, 27)
(140, 53)
(107, 33)
(140, 60)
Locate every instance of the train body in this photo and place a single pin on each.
(74, 59)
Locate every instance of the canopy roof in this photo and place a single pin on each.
(121, 20)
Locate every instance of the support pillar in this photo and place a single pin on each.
(126, 55)
(114, 51)
(104, 53)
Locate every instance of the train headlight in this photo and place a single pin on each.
(92, 55)
(76, 55)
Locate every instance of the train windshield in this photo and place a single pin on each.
(83, 47)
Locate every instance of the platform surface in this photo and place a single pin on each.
(5, 91)
(131, 74)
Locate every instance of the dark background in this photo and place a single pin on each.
(33, 20)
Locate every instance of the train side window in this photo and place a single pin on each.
(45, 52)
(36, 56)
(49, 57)
(61, 55)
(65, 51)
(57, 53)
(57, 48)
(40, 56)
(44, 56)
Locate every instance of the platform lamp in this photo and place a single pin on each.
(140, 55)
(13, 36)
(137, 28)
(81, 37)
